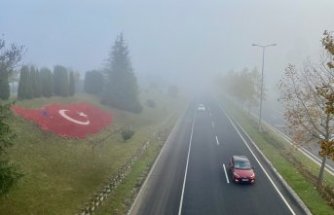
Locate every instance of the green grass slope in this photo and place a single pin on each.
(62, 174)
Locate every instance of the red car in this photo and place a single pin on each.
(241, 169)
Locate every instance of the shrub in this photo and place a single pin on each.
(127, 133)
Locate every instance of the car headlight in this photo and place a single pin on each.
(252, 175)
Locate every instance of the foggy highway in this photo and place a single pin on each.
(190, 176)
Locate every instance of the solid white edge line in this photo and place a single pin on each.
(263, 169)
(186, 170)
(228, 181)
(307, 153)
(143, 186)
(329, 169)
(217, 141)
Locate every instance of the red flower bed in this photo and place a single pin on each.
(68, 120)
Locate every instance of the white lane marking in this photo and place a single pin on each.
(263, 169)
(303, 150)
(307, 153)
(186, 171)
(228, 181)
(213, 124)
(148, 177)
(217, 141)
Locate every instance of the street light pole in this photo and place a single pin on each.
(261, 95)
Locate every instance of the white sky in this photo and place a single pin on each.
(191, 38)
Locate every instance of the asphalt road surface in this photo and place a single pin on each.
(189, 175)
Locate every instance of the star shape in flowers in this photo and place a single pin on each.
(82, 114)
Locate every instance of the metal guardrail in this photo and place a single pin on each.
(301, 149)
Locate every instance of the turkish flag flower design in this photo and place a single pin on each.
(67, 120)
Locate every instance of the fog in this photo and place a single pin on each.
(186, 41)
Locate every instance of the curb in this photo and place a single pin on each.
(279, 176)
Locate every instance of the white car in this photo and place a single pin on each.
(201, 107)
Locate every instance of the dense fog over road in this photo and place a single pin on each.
(187, 39)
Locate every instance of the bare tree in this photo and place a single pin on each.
(308, 97)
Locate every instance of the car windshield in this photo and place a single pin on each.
(242, 164)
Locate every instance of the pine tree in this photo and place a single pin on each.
(121, 90)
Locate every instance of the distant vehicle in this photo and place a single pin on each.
(201, 107)
(241, 169)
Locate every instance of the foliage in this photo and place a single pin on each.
(71, 84)
(8, 173)
(121, 90)
(127, 133)
(25, 88)
(30, 83)
(46, 82)
(9, 176)
(9, 58)
(35, 82)
(61, 81)
(4, 87)
(244, 86)
(308, 97)
(93, 83)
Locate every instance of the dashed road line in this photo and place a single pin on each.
(227, 180)
(263, 169)
(217, 141)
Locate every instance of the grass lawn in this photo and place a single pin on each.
(62, 174)
(276, 150)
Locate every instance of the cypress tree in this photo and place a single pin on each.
(22, 90)
(46, 82)
(61, 81)
(71, 84)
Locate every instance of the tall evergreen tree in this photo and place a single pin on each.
(38, 85)
(30, 84)
(61, 81)
(121, 90)
(35, 82)
(93, 83)
(71, 84)
(22, 90)
(46, 82)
